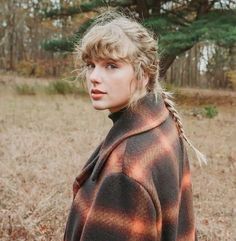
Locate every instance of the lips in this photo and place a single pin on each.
(97, 94)
(96, 91)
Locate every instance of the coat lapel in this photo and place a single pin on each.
(87, 170)
(150, 112)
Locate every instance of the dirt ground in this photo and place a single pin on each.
(44, 141)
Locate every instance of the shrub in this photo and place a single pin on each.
(210, 111)
(231, 77)
(26, 68)
(63, 87)
(25, 89)
(58, 87)
(40, 71)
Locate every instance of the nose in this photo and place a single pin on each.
(95, 75)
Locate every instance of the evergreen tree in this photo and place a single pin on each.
(179, 24)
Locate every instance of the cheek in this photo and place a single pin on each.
(127, 80)
(124, 89)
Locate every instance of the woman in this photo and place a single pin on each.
(136, 185)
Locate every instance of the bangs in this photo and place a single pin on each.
(107, 42)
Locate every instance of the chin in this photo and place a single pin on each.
(97, 107)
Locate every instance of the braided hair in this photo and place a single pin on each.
(167, 97)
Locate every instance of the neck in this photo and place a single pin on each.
(115, 116)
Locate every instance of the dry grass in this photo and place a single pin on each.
(44, 141)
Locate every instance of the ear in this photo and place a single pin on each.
(145, 80)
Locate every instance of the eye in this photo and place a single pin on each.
(90, 65)
(111, 66)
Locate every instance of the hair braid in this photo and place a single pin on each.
(171, 107)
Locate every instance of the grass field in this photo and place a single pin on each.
(45, 139)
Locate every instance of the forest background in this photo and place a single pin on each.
(47, 127)
(196, 38)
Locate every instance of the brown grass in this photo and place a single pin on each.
(44, 141)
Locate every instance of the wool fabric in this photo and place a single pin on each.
(136, 186)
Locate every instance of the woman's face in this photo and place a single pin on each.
(110, 84)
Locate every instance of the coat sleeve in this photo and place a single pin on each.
(122, 210)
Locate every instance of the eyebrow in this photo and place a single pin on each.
(118, 61)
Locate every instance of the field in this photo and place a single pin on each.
(45, 139)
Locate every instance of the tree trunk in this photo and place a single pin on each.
(165, 63)
(11, 35)
(142, 9)
(203, 7)
(156, 6)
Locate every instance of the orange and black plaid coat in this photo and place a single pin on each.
(136, 185)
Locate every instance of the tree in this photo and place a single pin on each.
(20, 31)
(179, 24)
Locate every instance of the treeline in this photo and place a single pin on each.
(197, 38)
(23, 30)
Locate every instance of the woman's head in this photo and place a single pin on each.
(114, 37)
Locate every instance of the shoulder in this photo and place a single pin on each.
(157, 153)
(157, 150)
(158, 142)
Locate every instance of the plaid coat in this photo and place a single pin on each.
(136, 185)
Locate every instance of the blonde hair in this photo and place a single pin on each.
(115, 36)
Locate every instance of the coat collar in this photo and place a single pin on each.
(149, 113)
